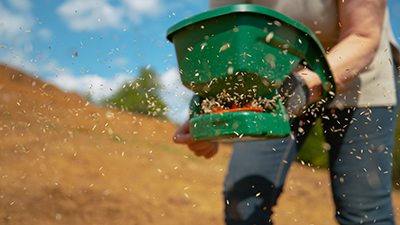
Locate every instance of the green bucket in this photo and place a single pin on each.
(239, 49)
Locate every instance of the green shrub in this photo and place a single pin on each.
(313, 151)
(396, 158)
(140, 95)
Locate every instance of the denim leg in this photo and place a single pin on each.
(360, 163)
(255, 177)
(257, 172)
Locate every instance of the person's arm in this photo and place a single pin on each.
(361, 23)
(206, 149)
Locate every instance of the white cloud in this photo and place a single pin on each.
(176, 95)
(90, 15)
(63, 78)
(121, 61)
(150, 7)
(18, 57)
(137, 9)
(14, 25)
(95, 15)
(45, 34)
(21, 5)
(98, 87)
(28, 47)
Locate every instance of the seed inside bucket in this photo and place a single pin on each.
(225, 101)
(269, 37)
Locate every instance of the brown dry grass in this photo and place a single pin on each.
(64, 161)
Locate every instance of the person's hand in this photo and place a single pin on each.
(199, 148)
(314, 84)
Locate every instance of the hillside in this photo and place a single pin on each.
(65, 161)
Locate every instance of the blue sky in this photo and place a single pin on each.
(112, 39)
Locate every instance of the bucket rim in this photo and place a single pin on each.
(237, 9)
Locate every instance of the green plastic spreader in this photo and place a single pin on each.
(244, 50)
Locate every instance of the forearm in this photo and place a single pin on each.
(361, 24)
(347, 59)
(350, 57)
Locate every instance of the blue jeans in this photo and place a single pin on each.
(360, 158)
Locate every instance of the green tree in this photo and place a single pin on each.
(313, 151)
(396, 158)
(140, 95)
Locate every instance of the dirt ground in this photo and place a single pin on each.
(64, 161)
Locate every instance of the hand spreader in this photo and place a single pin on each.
(235, 59)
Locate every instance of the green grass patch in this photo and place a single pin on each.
(313, 151)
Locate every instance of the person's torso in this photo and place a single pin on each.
(376, 85)
(320, 16)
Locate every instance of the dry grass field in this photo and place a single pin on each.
(64, 161)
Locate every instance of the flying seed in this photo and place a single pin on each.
(224, 47)
(203, 46)
(269, 37)
(230, 70)
(277, 23)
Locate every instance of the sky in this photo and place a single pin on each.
(95, 46)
